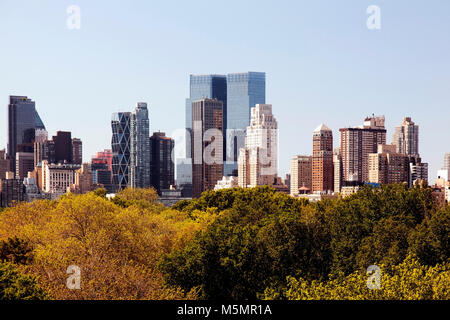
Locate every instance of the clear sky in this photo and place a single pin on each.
(322, 63)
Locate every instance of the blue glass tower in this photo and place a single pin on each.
(244, 91)
(120, 144)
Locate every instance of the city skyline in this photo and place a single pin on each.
(347, 74)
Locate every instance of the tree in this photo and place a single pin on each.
(16, 286)
(15, 250)
(407, 281)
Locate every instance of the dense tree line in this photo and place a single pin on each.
(232, 244)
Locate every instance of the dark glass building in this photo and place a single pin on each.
(63, 147)
(211, 86)
(206, 115)
(161, 163)
(23, 120)
(120, 144)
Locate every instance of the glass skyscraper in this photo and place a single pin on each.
(140, 147)
(244, 91)
(211, 86)
(120, 144)
(23, 121)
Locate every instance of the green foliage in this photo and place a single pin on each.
(100, 192)
(16, 286)
(407, 281)
(15, 250)
(260, 237)
(431, 240)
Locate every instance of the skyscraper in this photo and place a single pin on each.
(161, 164)
(301, 174)
(356, 145)
(139, 147)
(258, 161)
(120, 145)
(63, 147)
(23, 120)
(244, 91)
(207, 145)
(77, 151)
(446, 162)
(406, 138)
(337, 163)
(322, 160)
(210, 86)
(388, 166)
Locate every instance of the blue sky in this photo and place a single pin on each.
(322, 63)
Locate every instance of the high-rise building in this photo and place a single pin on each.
(406, 138)
(337, 164)
(4, 164)
(11, 190)
(209, 86)
(161, 163)
(301, 174)
(258, 161)
(23, 120)
(207, 145)
(446, 162)
(244, 91)
(63, 147)
(139, 147)
(388, 166)
(77, 151)
(356, 145)
(322, 160)
(24, 164)
(120, 145)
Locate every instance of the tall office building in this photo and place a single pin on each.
(206, 170)
(406, 138)
(120, 145)
(63, 147)
(301, 174)
(161, 164)
(258, 161)
(23, 120)
(77, 151)
(322, 160)
(139, 147)
(210, 86)
(388, 166)
(244, 91)
(356, 145)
